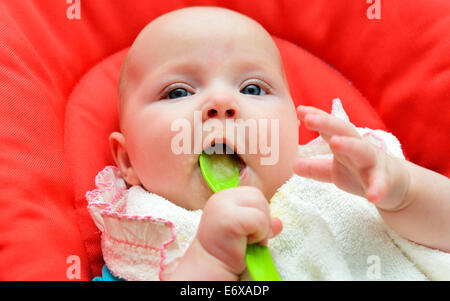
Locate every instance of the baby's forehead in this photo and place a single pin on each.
(207, 20)
(202, 31)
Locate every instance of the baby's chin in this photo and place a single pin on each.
(195, 193)
(247, 177)
(192, 191)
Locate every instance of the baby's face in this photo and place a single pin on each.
(189, 72)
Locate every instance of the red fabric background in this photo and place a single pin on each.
(399, 63)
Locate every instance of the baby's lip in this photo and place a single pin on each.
(212, 140)
(230, 147)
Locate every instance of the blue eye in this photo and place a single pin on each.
(253, 90)
(178, 92)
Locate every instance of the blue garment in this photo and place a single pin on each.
(107, 276)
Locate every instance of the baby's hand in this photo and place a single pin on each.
(358, 166)
(233, 218)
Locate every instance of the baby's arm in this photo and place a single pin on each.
(231, 219)
(412, 200)
(425, 216)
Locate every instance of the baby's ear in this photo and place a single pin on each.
(120, 155)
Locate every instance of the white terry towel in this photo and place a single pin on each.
(328, 234)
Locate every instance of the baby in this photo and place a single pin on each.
(225, 66)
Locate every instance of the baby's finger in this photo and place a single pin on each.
(328, 126)
(252, 223)
(276, 228)
(302, 111)
(317, 169)
(377, 188)
(360, 152)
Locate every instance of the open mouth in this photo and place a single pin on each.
(225, 149)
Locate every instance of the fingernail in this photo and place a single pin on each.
(313, 118)
(301, 107)
(264, 242)
(372, 196)
(336, 139)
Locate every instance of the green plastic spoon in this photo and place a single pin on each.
(221, 171)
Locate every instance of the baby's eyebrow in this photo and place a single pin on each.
(254, 65)
(179, 67)
(196, 69)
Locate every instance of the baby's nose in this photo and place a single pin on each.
(213, 113)
(220, 106)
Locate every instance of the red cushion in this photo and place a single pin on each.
(58, 101)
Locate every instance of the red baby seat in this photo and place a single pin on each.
(58, 97)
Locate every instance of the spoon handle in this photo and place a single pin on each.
(258, 259)
(260, 263)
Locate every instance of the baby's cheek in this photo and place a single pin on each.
(150, 152)
(288, 151)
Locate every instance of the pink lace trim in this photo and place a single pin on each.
(377, 138)
(94, 199)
